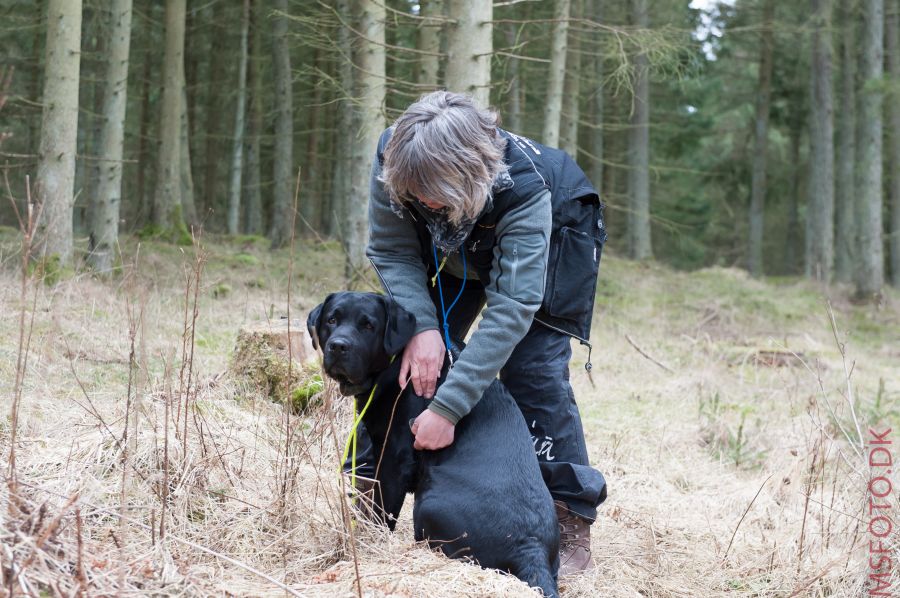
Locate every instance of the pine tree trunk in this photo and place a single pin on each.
(145, 208)
(469, 48)
(597, 108)
(311, 203)
(37, 54)
(340, 188)
(870, 268)
(792, 244)
(572, 88)
(187, 177)
(640, 246)
(820, 205)
(59, 127)
(429, 40)
(556, 76)
(760, 144)
(893, 65)
(213, 128)
(253, 216)
(280, 231)
(93, 74)
(104, 224)
(845, 187)
(167, 212)
(237, 150)
(513, 113)
(370, 91)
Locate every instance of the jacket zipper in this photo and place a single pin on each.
(515, 266)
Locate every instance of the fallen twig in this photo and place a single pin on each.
(747, 510)
(644, 353)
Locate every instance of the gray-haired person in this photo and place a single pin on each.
(513, 227)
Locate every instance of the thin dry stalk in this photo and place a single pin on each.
(167, 400)
(807, 491)
(287, 470)
(187, 351)
(743, 516)
(133, 316)
(28, 228)
(80, 575)
(847, 377)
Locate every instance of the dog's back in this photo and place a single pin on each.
(511, 525)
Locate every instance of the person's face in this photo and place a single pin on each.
(431, 203)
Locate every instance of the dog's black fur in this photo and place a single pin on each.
(483, 496)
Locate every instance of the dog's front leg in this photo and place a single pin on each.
(395, 478)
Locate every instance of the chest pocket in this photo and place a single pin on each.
(480, 250)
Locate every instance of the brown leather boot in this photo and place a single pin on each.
(574, 541)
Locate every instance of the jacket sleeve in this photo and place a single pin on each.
(514, 295)
(396, 254)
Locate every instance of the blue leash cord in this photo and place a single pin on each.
(445, 313)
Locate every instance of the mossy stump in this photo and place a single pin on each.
(261, 356)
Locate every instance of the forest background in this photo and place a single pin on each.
(176, 176)
(750, 133)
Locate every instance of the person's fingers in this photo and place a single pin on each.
(403, 378)
(430, 380)
(416, 375)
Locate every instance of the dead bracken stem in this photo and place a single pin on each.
(191, 297)
(747, 510)
(133, 314)
(79, 571)
(28, 227)
(807, 490)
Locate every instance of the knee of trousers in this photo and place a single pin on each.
(544, 382)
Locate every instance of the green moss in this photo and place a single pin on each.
(270, 372)
(150, 231)
(221, 290)
(254, 240)
(178, 233)
(246, 259)
(51, 270)
(304, 392)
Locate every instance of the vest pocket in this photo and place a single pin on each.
(572, 280)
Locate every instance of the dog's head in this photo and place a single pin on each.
(358, 333)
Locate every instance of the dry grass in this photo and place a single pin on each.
(727, 476)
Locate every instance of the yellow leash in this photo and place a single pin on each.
(351, 440)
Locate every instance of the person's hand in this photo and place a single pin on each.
(432, 431)
(422, 361)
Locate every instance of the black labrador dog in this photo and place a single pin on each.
(483, 496)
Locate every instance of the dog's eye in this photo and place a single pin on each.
(369, 326)
(332, 320)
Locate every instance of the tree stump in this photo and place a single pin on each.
(281, 366)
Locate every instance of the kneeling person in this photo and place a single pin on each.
(465, 215)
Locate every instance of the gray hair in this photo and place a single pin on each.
(446, 149)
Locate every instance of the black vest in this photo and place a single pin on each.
(577, 234)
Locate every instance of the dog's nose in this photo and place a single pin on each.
(338, 346)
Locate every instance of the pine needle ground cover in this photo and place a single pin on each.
(719, 410)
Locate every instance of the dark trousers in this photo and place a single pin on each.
(537, 376)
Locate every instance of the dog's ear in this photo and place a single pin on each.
(399, 327)
(312, 321)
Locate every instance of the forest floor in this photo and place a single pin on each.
(719, 411)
